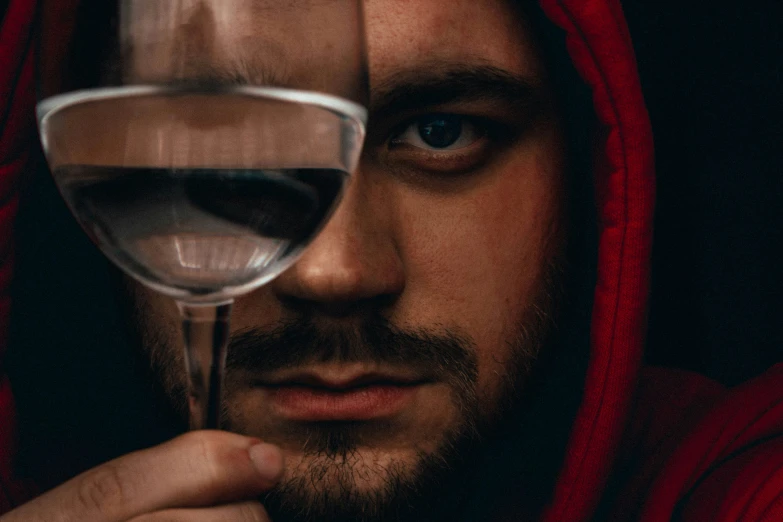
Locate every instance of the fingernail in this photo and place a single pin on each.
(268, 461)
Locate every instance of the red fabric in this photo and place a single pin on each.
(669, 404)
(16, 138)
(598, 41)
(697, 452)
(729, 468)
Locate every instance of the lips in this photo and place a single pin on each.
(339, 396)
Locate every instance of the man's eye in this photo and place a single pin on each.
(439, 132)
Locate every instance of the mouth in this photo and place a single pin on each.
(339, 395)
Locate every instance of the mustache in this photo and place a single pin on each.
(444, 355)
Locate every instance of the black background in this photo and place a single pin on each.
(711, 73)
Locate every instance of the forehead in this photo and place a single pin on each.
(227, 38)
(408, 33)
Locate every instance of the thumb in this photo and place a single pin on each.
(195, 470)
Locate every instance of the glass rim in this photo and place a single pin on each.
(325, 100)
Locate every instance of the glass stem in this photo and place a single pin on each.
(205, 330)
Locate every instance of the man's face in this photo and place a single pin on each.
(411, 321)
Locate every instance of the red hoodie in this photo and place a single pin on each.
(646, 444)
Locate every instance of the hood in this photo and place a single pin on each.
(16, 133)
(599, 45)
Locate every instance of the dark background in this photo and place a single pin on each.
(711, 73)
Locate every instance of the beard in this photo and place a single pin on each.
(340, 458)
(342, 474)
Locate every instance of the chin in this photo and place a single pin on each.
(364, 471)
(363, 484)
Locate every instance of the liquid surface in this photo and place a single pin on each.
(201, 194)
(197, 233)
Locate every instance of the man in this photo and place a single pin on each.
(448, 348)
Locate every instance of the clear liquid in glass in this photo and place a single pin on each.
(202, 196)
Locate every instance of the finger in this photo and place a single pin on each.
(241, 512)
(197, 469)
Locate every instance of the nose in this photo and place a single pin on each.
(353, 262)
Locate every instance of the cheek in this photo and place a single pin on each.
(161, 323)
(160, 328)
(475, 259)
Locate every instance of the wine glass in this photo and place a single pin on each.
(202, 144)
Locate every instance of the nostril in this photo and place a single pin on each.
(338, 309)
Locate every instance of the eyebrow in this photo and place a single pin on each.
(427, 86)
(411, 89)
(217, 76)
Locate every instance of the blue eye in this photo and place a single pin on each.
(439, 132)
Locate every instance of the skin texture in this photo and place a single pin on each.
(458, 248)
(457, 242)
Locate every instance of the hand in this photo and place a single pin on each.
(198, 477)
